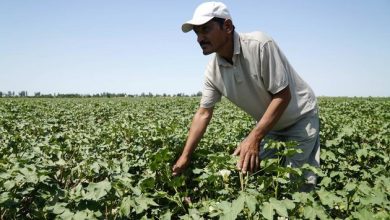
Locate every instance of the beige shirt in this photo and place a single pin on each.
(259, 69)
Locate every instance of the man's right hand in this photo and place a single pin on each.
(180, 166)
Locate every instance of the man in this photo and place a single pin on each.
(252, 72)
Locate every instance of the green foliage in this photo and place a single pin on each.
(112, 159)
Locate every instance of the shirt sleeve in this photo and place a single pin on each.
(210, 95)
(273, 70)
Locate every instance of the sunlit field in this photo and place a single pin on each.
(111, 158)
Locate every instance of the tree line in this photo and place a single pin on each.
(104, 94)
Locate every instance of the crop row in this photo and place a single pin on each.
(112, 158)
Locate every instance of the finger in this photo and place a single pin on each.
(257, 163)
(253, 163)
(176, 170)
(246, 163)
(239, 164)
(237, 151)
(241, 161)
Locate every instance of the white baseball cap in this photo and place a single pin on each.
(204, 13)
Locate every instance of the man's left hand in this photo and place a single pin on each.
(249, 155)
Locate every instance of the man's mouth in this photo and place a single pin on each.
(204, 44)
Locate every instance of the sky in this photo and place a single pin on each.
(341, 48)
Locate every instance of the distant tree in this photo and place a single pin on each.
(106, 94)
(37, 94)
(1, 94)
(69, 95)
(23, 94)
(47, 95)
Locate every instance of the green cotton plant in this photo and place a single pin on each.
(111, 158)
(281, 179)
(244, 195)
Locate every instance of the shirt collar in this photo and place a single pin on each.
(236, 51)
(237, 45)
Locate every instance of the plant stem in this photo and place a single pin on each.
(246, 178)
(177, 197)
(277, 182)
(241, 181)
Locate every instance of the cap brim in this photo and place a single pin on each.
(189, 25)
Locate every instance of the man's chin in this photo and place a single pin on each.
(206, 52)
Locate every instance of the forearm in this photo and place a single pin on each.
(249, 148)
(273, 113)
(198, 128)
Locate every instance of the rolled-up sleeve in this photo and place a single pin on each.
(210, 94)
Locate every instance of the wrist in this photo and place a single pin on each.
(186, 155)
(258, 132)
(255, 136)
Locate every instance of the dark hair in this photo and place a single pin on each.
(220, 21)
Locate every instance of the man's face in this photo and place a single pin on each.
(211, 37)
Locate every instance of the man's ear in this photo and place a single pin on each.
(228, 25)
